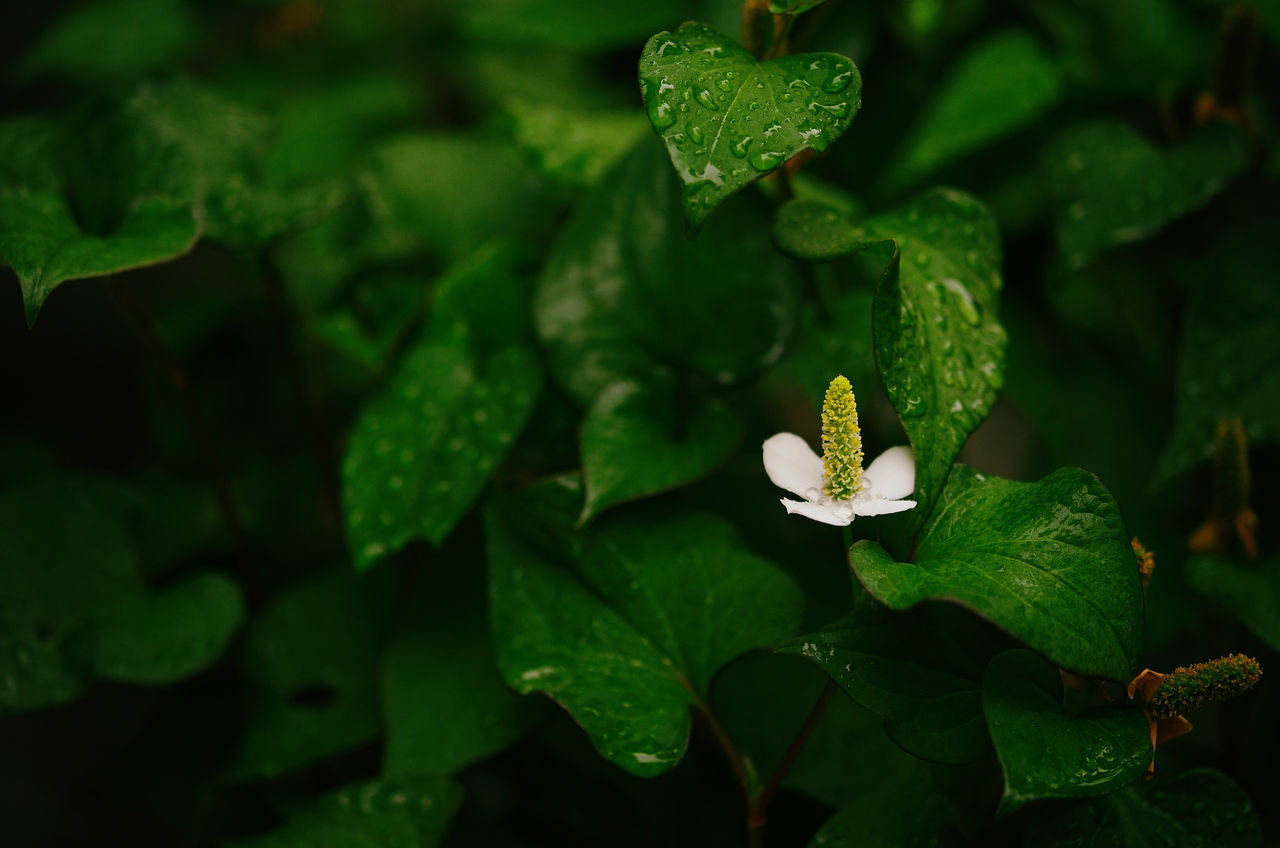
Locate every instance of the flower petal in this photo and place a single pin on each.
(792, 465)
(880, 506)
(824, 512)
(892, 475)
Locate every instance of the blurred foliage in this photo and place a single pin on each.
(384, 380)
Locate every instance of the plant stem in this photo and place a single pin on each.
(178, 378)
(758, 815)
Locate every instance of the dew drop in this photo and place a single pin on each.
(812, 494)
(842, 510)
(766, 160)
(724, 85)
(704, 97)
(695, 133)
(739, 147)
(838, 82)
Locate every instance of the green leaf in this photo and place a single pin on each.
(1112, 186)
(46, 247)
(848, 763)
(571, 144)
(1251, 591)
(996, 87)
(424, 447)
(609, 311)
(1048, 562)
(164, 637)
(1047, 754)
(193, 142)
(939, 344)
(1199, 808)
(74, 607)
(389, 813)
(727, 120)
(111, 40)
(837, 342)
(920, 671)
(1228, 359)
(445, 703)
(311, 658)
(631, 642)
(635, 442)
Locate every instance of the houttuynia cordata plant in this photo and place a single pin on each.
(680, 423)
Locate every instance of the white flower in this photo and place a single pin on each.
(792, 465)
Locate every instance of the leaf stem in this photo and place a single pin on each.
(180, 380)
(758, 814)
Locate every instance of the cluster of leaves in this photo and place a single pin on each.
(378, 369)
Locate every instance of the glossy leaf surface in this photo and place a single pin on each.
(608, 312)
(727, 120)
(1049, 562)
(1047, 754)
(633, 445)
(628, 644)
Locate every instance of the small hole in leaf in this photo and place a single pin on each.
(315, 696)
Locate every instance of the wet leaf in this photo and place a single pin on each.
(1048, 562)
(728, 120)
(424, 447)
(920, 671)
(939, 343)
(1047, 754)
(635, 442)
(608, 311)
(630, 641)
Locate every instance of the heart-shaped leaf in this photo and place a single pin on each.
(41, 240)
(920, 671)
(939, 343)
(728, 120)
(632, 445)
(74, 606)
(631, 641)
(1048, 562)
(1047, 754)
(626, 294)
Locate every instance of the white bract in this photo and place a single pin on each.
(792, 465)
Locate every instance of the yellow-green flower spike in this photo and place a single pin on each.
(841, 441)
(1185, 689)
